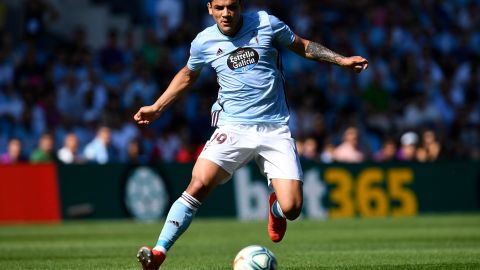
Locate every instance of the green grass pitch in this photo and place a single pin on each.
(426, 242)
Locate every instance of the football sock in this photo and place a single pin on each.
(178, 219)
(277, 211)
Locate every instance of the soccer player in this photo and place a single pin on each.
(250, 115)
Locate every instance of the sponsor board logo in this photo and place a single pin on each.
(146, 194)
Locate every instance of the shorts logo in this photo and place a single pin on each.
(242, 59)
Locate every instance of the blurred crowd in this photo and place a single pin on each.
(61, 100)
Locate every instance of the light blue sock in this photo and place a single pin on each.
(178, 219)
(277, 211)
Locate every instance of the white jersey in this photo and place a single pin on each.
(248, 66)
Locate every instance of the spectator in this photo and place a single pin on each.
(111, 56)
(45, 149)
(6, 69)
(14, 152)
(28, 130)
(424, 72)
(136, 153)
(348, 151)
(187, 153)
(35, 12)
(420, 112)
(112, 62)
(167, 146)
(150, 50)
(408, 146)
(100, 149)
(310, 149)
(445, 104)
(143, 86)
(122, 135)
(30, 74)
(376, 101)
(70, 96)
(387, 152)
(11, 104)
(129, 47)
(95, 98)
(326, 156)
(430, 149)
(69, 154)
(169, 16)
(77, 46)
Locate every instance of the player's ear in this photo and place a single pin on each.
(209, 6)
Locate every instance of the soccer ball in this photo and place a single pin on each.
(255, 258)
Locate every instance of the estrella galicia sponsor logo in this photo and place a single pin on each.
(242, 59)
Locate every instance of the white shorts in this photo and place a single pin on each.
(271, 145)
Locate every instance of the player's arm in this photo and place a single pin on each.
(180, 83)
(317, 52)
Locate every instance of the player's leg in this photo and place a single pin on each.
(284, 203)
(289, 198)
(278, 160)
(206, 175)
(221, 156)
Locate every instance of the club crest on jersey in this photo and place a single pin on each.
(242, 59)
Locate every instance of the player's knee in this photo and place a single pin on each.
(199, 185)
(292, 209)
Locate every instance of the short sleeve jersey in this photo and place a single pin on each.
(248, 67)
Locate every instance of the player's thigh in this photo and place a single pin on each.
(277, 158)
(289, 195)
(206, 175)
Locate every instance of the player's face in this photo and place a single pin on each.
(227, 15)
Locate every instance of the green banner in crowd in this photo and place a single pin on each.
(365, 190)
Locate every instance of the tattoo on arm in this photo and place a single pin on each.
(319, 52)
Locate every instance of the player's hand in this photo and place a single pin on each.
(355, 63)
(146, 115)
